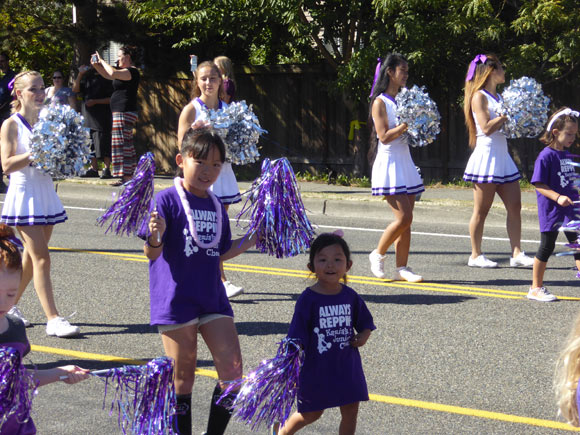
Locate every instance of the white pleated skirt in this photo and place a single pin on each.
(490, 162)
(226, 185)
(32, 203)
(394, 172)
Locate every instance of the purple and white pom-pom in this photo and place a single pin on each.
(144, 396)
(266, 395)
(17, 387)
(130, 213)
(276, 212)
(59, 145)
(240, 130)
(416, 109)
(526, 108)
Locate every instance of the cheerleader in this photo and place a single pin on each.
(394, 174)
(490, 167)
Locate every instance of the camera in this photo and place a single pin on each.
(94, 58)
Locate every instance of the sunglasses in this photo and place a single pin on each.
(57, 77)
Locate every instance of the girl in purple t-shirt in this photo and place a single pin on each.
(190, 234)
(555, 194)
(331, 321)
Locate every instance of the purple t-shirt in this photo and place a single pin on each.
(553, 169)
(15, 337)
(185, 282)
(332, 374)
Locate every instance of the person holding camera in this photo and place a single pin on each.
(125, 79)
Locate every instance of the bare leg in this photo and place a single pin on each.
(35, 239)
(299, 420)
(181, 345)
(224, 279)
(402, 208)
(26, 273)
(483, 194)
(511, 196)
(349, 414)
(403, 242)
(221, 338)
(538, 272)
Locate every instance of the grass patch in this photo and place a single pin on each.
(339, 179)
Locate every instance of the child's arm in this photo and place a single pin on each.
(361, 338)
(74, 374)
(237, 249)
(562, 200)
(154, 243)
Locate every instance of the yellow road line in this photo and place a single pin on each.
(423, 286)
(391, 400)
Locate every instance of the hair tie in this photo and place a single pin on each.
(480, 58)
(338, 233)
(376, 77)
(10, 85)
(565, 112)
(14, 240)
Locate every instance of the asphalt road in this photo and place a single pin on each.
(463, 352)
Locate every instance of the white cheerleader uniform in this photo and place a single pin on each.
(31, 198)
(226, 185)
(394, 172)
(490, 161)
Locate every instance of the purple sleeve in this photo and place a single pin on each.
(363, 317)
(541, 170)
(299, 327)
(226, 241)
(230, 89)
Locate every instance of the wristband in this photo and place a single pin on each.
(153, 246)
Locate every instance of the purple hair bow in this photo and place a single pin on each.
(471, 71)
(11, 84)
(376, 77)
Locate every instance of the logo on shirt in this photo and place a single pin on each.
(565, 169)
(205, 222)
(334, 325)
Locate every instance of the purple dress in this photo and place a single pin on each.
(553, 169)
(184, 281)
(15, 337)
(332, 374)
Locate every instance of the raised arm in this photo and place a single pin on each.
(381, 121)
(107, 71)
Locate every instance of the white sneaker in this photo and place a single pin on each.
(232, 290)
(406, 274)
(481, 261)
(14, 311)
(377, 264)
(541, 294)
(61, 327)
(521, 260)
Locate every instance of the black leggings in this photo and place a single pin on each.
(548, 243)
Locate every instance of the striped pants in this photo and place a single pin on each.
(123, 157)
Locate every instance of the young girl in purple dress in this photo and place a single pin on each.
(331, 321)
(190, 235)
(555, 193)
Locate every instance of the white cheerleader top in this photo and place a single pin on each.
(391, 106)
(28, 173)
(201, 108)
(493, 105)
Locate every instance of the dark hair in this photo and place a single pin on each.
(10, 257)
(198, 142)
(324, 240)
(559, 124)
(391, 62)
(132, 51)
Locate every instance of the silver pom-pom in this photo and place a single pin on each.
(240, 130)
(526, 108)
(419, 112)
(59, 144)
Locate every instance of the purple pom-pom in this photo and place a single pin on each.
(17, 387)
(130, 213)
(266, 395)
(144, 396)
(276, 212)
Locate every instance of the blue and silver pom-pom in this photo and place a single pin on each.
(240, 130)
(416, 109)
(526, 108)
(276, 212)
(266, 395)
(60, 146)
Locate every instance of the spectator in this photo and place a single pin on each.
(58, 92)
(96, 96)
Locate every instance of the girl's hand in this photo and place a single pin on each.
(564, 201)
(96, 58)
(73, 374)
(404, 127)
(83, 69)
(157, 226)
(361, 338)
(200, 124)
